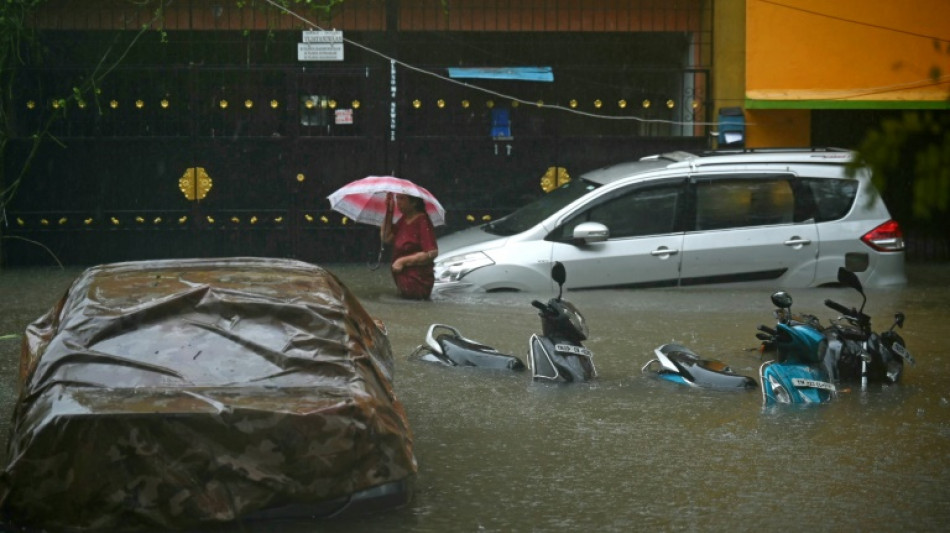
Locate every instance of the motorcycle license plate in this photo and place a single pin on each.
(571, 349)
(899, 349)
(813, 383)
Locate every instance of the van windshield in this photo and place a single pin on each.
(538, 210)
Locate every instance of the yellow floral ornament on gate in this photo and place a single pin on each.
(554, 178)
(195, 183)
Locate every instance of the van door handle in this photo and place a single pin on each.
(797, 241)
(663, 251)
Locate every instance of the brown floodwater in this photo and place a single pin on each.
(497, 452)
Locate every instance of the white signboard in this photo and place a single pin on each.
(323, 36)
(321, 46)
(319, 51)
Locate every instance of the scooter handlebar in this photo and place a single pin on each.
(540, 305)
(852, 313)
(840, 308)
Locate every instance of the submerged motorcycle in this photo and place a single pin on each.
(859, 352)
(812, 359)
(557, 354)
(802, 372)
(678, 364)
(445, 345)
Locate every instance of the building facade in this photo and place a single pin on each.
(223, 128)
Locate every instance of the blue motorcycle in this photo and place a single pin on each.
(803, 370)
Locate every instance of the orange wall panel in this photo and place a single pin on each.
(778, 128)
(847, 49)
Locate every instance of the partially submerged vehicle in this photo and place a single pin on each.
(678, 364)
(445, 345)
(179, 394)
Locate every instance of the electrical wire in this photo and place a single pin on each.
(919, 84)
(857, 22)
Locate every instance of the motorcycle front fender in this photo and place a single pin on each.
(559, 362)
(789, 383)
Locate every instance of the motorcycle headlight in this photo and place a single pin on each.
(577, 319)
(456, 267)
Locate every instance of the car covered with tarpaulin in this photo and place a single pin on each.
(179, 394)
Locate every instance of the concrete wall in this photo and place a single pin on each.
(847, 52)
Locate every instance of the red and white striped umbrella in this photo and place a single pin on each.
(364, 200)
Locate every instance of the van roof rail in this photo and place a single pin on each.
(772, 150)
(677, 156)
(838, 156)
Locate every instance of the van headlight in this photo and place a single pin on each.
(456, 267)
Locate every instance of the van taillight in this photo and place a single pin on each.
(887, 237)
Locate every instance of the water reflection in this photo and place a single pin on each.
(497, 452)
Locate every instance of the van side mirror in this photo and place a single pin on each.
(590, 232)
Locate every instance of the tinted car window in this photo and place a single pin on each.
(538, 210)
(633, 213)
(832, 198)
(740, 202)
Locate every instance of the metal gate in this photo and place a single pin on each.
(187, 151)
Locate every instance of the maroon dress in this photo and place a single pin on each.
(413, 237)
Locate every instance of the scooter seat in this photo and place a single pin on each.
(464, 352)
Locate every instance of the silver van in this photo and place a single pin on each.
(778, 218)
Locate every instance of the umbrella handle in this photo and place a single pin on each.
(379, 258)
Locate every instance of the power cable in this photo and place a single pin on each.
(919, 84)
(858, 22)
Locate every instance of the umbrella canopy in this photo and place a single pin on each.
(364, 200)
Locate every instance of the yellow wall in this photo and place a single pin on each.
(844, 52)
(728, 87)
(728, 74)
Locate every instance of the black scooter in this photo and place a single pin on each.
(557, 354)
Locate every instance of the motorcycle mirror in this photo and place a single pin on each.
(558, 273)
(850, 279)
(782, 300)
(899, 319)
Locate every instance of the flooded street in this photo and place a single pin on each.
(497, 452)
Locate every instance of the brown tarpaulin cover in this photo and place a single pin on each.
(175, 393)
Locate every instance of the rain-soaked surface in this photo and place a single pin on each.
(497, 452)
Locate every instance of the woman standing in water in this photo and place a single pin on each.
(414, 246)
